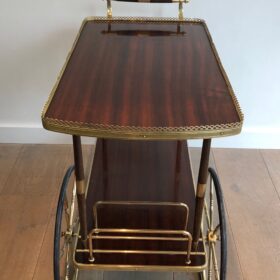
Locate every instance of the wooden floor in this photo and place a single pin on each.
(30, 176)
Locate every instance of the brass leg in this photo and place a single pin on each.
(80, 182)
(200, 191)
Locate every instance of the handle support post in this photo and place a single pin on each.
(80, 183)
(200, 190)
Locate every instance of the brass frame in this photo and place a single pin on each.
(186, 234)
(182, 235)
(143, 133)
(121, 267)
(94, 234)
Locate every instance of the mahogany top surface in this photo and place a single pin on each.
(143, 79)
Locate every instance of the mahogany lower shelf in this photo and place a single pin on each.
(143, 171)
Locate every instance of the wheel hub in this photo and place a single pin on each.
(212, 236)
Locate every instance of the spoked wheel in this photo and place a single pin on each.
(66, 225)
(214, 230)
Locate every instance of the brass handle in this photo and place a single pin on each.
(180, 2)
(153, 1)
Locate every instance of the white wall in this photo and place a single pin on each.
(37, 35)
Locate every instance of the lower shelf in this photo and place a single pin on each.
(141, 195)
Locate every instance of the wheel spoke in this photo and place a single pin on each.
(211, 205)
(61, 254)
(207, 215)
(215, 235)
(203, 275)
(215, 262)
(209, 276)
(67, 264)
(66, 212)
(72, 208)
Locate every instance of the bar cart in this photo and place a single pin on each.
(142, 87)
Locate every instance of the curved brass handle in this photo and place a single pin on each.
(180, 2)
(154, 1)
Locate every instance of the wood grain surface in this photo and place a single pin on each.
(142, 75)
(272, 161)
(25, 207)
(8, 156)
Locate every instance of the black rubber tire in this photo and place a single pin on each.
(223, 226)
(222, 221)
(58, 221)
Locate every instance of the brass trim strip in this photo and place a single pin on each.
(119, 202)
(144, 252)
(114, 230)
(140, 238)
(120, 267)
(143, 133)
(169, 238)
(87, 251)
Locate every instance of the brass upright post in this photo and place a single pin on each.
(109, 9)
(200, 190)
(181, 10)
(80, 182)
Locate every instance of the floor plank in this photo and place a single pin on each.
(8, 156)
(186, 276)
(272, 161)
(23, 235)
(44, 267)
(254, 209)
(90, 275)
(25, 207)
(37, 163)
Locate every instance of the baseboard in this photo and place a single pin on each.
(36, 135)
(251, 137)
